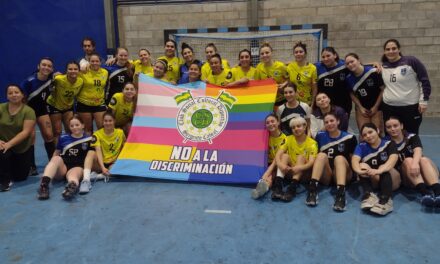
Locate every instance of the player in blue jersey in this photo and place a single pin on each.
(407, 87)
(417, 170)
(366, 88)
(374, 160)
(292, 108)
(119, 73)
(188, 57)
(37, 89)
(331, 78)
(68, 160)
(332, 162)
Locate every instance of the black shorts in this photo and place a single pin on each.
(53, 110)
(40, 107)
(82, 108)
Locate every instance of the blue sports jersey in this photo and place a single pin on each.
(343, 145)
(73, 151)
(407, 146)
(117, 78)
(36, 90)
(366, 87)
(375, 157)
(184, 72)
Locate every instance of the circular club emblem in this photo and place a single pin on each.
(202, 119)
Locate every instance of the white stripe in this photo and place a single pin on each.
(156, 100)
(372, 155)
(117, 72)
(75, 143)
(361, 80)
(331, 144)
(218, 211)
(325, 74)
(41, 88)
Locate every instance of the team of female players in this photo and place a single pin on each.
(308, 138)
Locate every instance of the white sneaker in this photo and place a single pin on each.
(369, 201)
(383, 209)
(261, 189)
(96, 176)
(85, 187)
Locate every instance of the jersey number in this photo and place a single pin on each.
(68, 94)
(97, 82)
(298, 77)
(330, 153)
(328, 82)
(362, 92)
(111, 147)
(393, 77)
(121, 79)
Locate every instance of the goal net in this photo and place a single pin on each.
(229, 44)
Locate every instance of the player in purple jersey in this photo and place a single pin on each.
(366, 88)
(68, 161)
(374, 160)
(417, 171)
(407, 87)
(332, 162)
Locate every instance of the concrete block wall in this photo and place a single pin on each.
(360, 26)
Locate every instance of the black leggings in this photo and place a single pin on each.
(409, 115)
(14, 166)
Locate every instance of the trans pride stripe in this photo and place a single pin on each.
(216, 135)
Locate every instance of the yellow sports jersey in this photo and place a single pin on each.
(277, 71)
(140, 68)
(238, 73)
(206, 69)
(222, 79)
(111, 145)
(274, 144)
(93, 91)
(173, 68)
(309, 148)
(64, 92)
(123, 110)
(303, 77)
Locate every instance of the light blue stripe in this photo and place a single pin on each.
(222, 30)
(139, 168)
(182, 31)
(264, 28)
(307, 26)
(202, 30)
(156, 122)
(243, 29)
(285, 27)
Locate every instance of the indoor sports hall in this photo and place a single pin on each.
(144, 220)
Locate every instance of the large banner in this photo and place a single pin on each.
(198, 132)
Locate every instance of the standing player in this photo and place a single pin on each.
(332, 73)
(60, 101)
(417, 170)
(188, 56)
(407, 87)
(67, 161)
(274, 69)
(143, 65)
(332, 161)
(173, 62)
(218, 75)
(120, 73)
(244, 68)
(374, 160)
(211, 50)
(366, 88)
(37, 89)
(303, 74)
(89, 47)
(90, 104)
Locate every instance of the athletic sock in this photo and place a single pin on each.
(436, 188)
(32, 150)
(50, 148)
(422, 189)
(86, 176)
(340, 190)
(386, 186)
(45, 180)
(313, 185)
(366, 184)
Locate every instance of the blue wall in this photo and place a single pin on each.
(31, 29)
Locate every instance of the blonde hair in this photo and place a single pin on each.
(297, 120)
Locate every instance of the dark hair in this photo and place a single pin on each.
(272, 114)
(395, 41)
(301, 45)
(196, 62)
(331, 50)
(95, 54)
(170, 40)
(290, 85)
(125, 84)
(216, 56)
(368, 125)
(164, 62)
(264, 45)
(77, 117)
(72, 62)
(88, 39)
(404, 132)
(332, 113)
(19, 88)
(186, 46)
(352, 54)
(244, 50)
(332, 107)
(109, 113)
(212, 45)
(128, 65)
(46, 58)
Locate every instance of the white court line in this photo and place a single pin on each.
(218, 211)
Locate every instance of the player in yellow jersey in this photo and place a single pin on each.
(122, 106)
(218, 75)
(294, 159)
(244, 68)
(90, 101)
(159, 70)
(105, 147)
(210, 50)
(303, 74)
(269, 68)
(173, 62)
(276, 140)
(61, 99)
(143, 65)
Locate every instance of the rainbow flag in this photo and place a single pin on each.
(198, 132)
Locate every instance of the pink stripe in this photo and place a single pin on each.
(228, 140)
(156, 111)
(153, 89)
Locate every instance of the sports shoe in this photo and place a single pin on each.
(368, 201)
(33, 171)
(85, 187)
(437, 201)
(98, 176)
(290, 193)
(70, 190)
(428, 200)
(277, 189)
(43, 192)
(383, 207)
(5, 187)
(312, 198)
(340, 202)
(261, 189)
